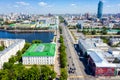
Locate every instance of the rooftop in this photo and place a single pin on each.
(89, 43)
(16, 42)
(43, 49)
(99, 59)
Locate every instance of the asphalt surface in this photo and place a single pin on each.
(77, 69)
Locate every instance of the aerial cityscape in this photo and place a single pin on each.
(60, 40)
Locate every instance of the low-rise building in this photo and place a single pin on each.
(114, 51)
(99, 61)
(92, 43)
(40, 54)
(12, 49)
(99, 65)
(114, 41)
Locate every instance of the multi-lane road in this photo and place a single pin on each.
(76, 70)
(75, 67)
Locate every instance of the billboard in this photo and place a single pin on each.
(105, 71)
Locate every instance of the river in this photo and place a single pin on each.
(45, 37)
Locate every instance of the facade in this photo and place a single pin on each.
(48, 22)
(100, 10)
(6, 42)
(99, 65)
(100, 61)
(12, 49)
(40, 54)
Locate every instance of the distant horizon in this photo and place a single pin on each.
(58, 7)
(58, 14)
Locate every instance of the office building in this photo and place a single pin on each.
(100, 9)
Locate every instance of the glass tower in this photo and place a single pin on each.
(100, 9)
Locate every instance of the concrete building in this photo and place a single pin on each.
(92, 43)
(114, 41)
(99, 65)
(6, 42)
(10, 50)
(40, 54)
(115, 52)
(100, 62)
(48, 22)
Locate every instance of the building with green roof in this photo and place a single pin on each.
(43, 54)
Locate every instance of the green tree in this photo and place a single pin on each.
(36, 41)
(104, 31)
(84, 31)
(118, 33)
(47, 73)
(93, 32)
(7, 65)
(4, 74)
(12, 59)
(116, 60)
(1, 48)
(63, 74)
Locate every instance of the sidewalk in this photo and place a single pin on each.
(72, 37)
(109, 77)
(57, 58)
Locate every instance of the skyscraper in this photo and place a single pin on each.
(100, 9)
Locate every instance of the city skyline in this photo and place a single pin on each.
(58, 7)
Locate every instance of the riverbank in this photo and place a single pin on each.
(27, 31)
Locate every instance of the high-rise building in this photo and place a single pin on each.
(100, 9)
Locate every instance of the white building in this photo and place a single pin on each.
(12, 49)
(114, 52)
(40, 54)
(114, 41)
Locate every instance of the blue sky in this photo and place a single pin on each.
(57, 6)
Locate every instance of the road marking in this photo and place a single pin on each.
(73, 77)
(76, 76)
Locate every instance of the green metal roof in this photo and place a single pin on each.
(12, 25)
(43, 49)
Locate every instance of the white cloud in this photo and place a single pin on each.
(108, 6)
(43, 4)
(23, 3)
(73, 4)
(16, 6)
(118, 4)
(104, 1)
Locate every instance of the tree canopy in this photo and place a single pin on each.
(15, 70)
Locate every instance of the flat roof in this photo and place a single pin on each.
(99, 59)
(16, 42)
(43, 49)
(86, 43)
(89, 43)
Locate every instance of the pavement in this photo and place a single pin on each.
(73, 58)
(74, 61)
(57, 58)
(84, 75)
